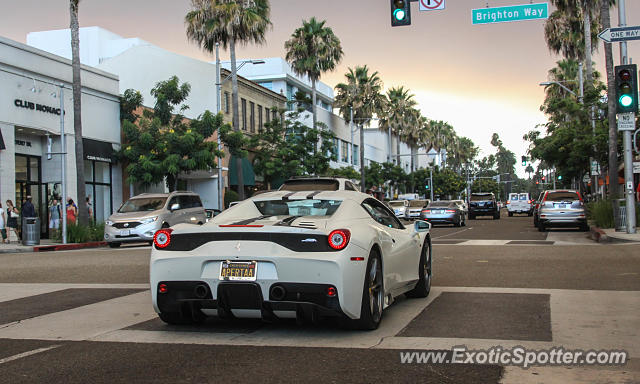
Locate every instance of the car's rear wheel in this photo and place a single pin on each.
(585, 228)
(372, 295)
(510, 214)
(496, 216)
(472, 217)
(541, 227)
(114, 245)
(535, 221)
(423, 287)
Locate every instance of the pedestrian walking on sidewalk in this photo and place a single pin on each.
(28, 210)
(55, 213)
(3, 220)
(12, 219)
(72, 211)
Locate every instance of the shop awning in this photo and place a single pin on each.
(98, 150)
(2, 142)
(248, 175)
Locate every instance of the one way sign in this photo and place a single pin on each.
(613, 35)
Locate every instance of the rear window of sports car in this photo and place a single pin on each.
(307, 207)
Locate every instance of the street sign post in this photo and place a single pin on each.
(510, 13)
(615, 35)
(431, 5)
(627, 121)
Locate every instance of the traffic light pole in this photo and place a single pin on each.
(431, 182)
(628, 153)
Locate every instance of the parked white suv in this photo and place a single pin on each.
(140, 217)
(519, 203)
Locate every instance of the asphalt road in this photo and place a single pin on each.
(506, 292)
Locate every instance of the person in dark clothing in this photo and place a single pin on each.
(28, 210)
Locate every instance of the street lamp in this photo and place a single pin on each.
(218, 107)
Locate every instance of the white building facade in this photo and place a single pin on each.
(30, 123)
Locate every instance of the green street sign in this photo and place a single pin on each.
(510, 13)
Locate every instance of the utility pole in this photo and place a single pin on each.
(218, 108)
(362, 183)
(628, 154)
(63, 171)
(351, 130)
(431, 182)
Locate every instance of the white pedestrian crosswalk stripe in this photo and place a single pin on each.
(573, 314)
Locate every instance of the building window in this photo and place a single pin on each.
(267, 114)
(98, 189)
(226, 102)
(274, 115)
(344, 153)
(356, 155)
(244, 114)
(252, 116)
(260, 122)
(267, 84)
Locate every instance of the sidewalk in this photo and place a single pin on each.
(610, 235)
(47, 245)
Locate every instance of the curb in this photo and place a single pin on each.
(598, 235)
(68, 247)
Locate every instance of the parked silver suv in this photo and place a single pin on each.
(140, 217)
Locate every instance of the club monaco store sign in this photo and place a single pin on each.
(36, 107)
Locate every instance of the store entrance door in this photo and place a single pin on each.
(28, 183)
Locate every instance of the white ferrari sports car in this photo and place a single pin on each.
(284, 254)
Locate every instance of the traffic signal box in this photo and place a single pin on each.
(626, 88)
(400, 13)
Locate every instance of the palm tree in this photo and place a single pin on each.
(312, 50)
(229, 22)
(83, 214)
(397, 117)
(529, 170)
(362, 94)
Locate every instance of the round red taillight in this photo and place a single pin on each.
(339, 238)
(332, 291)
(162, 238)
(162, 288)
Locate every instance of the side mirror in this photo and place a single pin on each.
(421, 226)
(174, 207)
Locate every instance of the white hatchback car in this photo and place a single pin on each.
(283, 254)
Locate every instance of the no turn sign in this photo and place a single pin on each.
(431, 5)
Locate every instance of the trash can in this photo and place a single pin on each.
(620, 214)
(30, 231)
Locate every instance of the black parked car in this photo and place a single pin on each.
(483, 204)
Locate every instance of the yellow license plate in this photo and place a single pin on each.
(238, 270)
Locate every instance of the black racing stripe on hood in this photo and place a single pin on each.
(249, 221)
(297, 242)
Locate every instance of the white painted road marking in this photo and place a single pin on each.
(29, 353)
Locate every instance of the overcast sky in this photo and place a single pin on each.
(481, 79)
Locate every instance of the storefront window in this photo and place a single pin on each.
(98, 188)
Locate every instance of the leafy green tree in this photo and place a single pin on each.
(345, 172)
(161, 144)
(229, 22)
(486, 185)
(312, 50)
(286, 147)
(447, 183)
(374, 175)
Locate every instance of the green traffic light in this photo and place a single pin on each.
(559, 177)
(399, 14)
(625, 100)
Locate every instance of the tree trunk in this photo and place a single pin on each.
(83, 214)
(236, 112)
(587, 45)
(314, 112)
(362, 183)
(611, 84)
(398, 149)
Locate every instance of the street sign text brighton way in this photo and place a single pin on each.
(614, 35)
(510, 13)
